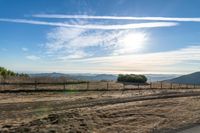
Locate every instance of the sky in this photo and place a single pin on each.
(100, 36)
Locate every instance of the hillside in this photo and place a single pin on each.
(99, 77)
(52, 75)
(91, 77)
(160, 77)
(193, 78)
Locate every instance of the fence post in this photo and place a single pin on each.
(88, 85)
(161, 85)
(4, 84)
(171, 86)
(107, 85)
(64, 86)
(35, 85)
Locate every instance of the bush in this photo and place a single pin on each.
(7, 73)
(132, 78)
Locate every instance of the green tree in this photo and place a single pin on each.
(132, 78)
(7, 73)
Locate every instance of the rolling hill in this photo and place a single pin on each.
(90, 77)
(193, 78)
(99, 77)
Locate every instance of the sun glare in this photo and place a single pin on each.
(132, 42)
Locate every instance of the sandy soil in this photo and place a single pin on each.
(99, 112)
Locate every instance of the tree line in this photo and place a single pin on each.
(8, 73)
(133, 78)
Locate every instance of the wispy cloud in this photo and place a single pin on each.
(117, 17)
(66, 43)
(110, 47)
(24, 49)
(151, 62)
(33, 57)
(157, 58)
(94, 26)
(185, 59)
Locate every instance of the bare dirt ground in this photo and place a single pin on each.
(142, 111)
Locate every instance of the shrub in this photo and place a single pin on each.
(132, 78)
(7, 73)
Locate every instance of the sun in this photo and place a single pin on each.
(132, 42)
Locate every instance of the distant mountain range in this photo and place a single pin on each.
(99, 77)
(91, 77)
(193, 78)
(52, 75)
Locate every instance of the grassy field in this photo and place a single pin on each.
(139, 111)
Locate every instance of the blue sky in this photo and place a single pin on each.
(100, 36)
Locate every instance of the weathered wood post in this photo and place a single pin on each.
(107, 85)
(171, 85)
(161, 84)
(88, 85)
(123, 89)
(64, 86)
(35, 85)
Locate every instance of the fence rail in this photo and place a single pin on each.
(42, 83)
(87, 86)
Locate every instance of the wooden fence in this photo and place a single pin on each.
(87, 86)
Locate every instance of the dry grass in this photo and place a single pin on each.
(53, 112)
